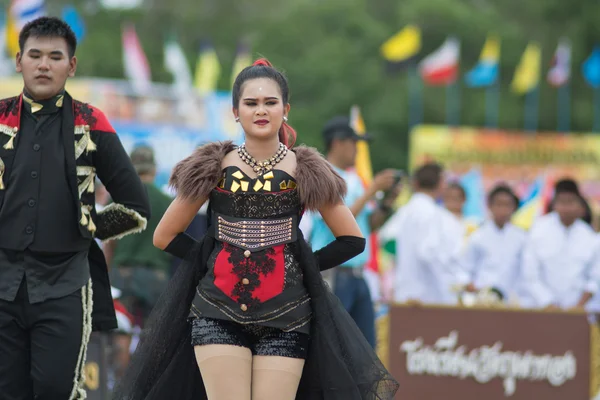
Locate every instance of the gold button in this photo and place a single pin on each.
(244, 307)
(245, 281)
(247, 253)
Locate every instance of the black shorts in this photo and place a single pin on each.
(261, 340)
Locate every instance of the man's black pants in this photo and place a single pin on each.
(41, 352)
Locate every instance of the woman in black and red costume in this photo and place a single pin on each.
(248, 315)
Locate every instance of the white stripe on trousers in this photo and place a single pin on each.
(78, 392)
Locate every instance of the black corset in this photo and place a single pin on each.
(272, 195)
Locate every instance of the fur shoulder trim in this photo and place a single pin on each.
(194, 177)
(318, 183)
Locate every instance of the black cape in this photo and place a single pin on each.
(341, 365)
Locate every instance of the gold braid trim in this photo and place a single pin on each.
(86, 218)
(10, 131)
(88, 183)
(78, 391)
(85, 143)
(115, 207)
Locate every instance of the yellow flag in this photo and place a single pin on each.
(12, 35)
(527, 73)
(362, 163)
(403, 45)
(491, 50)
(208, 71)
(243, 59)
(527, 213)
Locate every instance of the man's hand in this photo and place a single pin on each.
(383, 180)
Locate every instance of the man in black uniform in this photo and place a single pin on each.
(54, 287)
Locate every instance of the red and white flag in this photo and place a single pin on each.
(441, 66)
(137, 69)
(560, 69)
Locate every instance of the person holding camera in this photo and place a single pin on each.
(348, 279)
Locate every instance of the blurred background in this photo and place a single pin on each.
(496, 90)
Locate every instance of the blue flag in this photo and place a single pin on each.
(591, 68)
(485, 73)
(482, 75)
(74, 20)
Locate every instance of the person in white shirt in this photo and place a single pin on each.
(561, 259)
(455, 197)
(428, 244)
(493, 253)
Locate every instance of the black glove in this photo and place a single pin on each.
(181, 245)
(339, 251)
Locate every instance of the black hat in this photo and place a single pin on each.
(142, 158)
(566, 186)
(340, 128)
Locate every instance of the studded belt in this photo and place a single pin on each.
(255, 234)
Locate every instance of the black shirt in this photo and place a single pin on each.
(38, 212)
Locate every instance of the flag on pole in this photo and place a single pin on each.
(364, 169)
(243, 59)
(485, 73)
(527, 73)
(7, 68)
(21, 12)
(591, 68)
(137, 69)
(208, 69)
(402, 49)
(363, 158)
(440, 68)
(560, 68)
(176, 63)
(74, 20)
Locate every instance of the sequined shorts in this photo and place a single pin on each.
(261, 340)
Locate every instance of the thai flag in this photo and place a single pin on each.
(441, 66)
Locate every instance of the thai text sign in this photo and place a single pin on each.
(457, 353)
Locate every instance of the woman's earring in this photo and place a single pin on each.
(285, 118)
(237, 119)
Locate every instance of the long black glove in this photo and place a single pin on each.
(181, 245)
(342, 249)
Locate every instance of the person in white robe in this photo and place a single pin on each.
(493, 252)
(428, 244)
(561, 259)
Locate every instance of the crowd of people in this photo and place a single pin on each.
(250, 283)
(555, 264)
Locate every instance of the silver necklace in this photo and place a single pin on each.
(262, 167)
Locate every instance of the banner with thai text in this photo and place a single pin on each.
(457, 353)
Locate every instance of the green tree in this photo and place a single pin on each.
(330, 53)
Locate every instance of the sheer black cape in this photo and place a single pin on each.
(341, 365)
